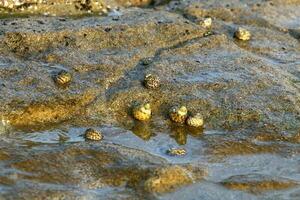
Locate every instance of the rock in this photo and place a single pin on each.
(241, 88)
(255, 183)
(50, 111)
(171, 178)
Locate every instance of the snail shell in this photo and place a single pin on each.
(195, 121)
(178, 114)
(242, 34)
(92, 134)
(62, 78)
(176, 152)
(206, 23)
(142, 112)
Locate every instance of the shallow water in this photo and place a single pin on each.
(60, 162)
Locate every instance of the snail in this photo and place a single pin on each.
(142, 112)
(151, 81)
(178, 114)
(242, 34)
(195, 120)
(92, 134)
(62, 78)
(206, 23)
(176, 152)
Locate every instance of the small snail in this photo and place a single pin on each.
(92, 134)
(176, 152)
(151, 81)
(178, 114)
(142, 112)
(195, 120)
(206, 23)
(62, 78)
(242, 34)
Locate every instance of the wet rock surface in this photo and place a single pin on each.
(248, 93)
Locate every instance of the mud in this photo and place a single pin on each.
(247, 91)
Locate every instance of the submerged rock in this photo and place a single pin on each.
(62, 78)
(255, 183)
(171, 178)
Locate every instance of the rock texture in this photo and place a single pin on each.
(248, 93)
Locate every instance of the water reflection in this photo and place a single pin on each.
(179, 133)
(142, 130)
(195, 132)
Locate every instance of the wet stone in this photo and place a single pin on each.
(255, 183)
(170, 178)
(240, 88)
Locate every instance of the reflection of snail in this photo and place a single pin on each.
(179, 134)
(242, 34)
(176, 152)
(195, 120)
(151, 81)
(62, 78)
(142, 130)
(92, 134)
(195, 131)
(142, 112)
(178, 114)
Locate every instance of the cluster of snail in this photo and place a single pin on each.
(178, 114)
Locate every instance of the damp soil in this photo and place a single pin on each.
(247, 91)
